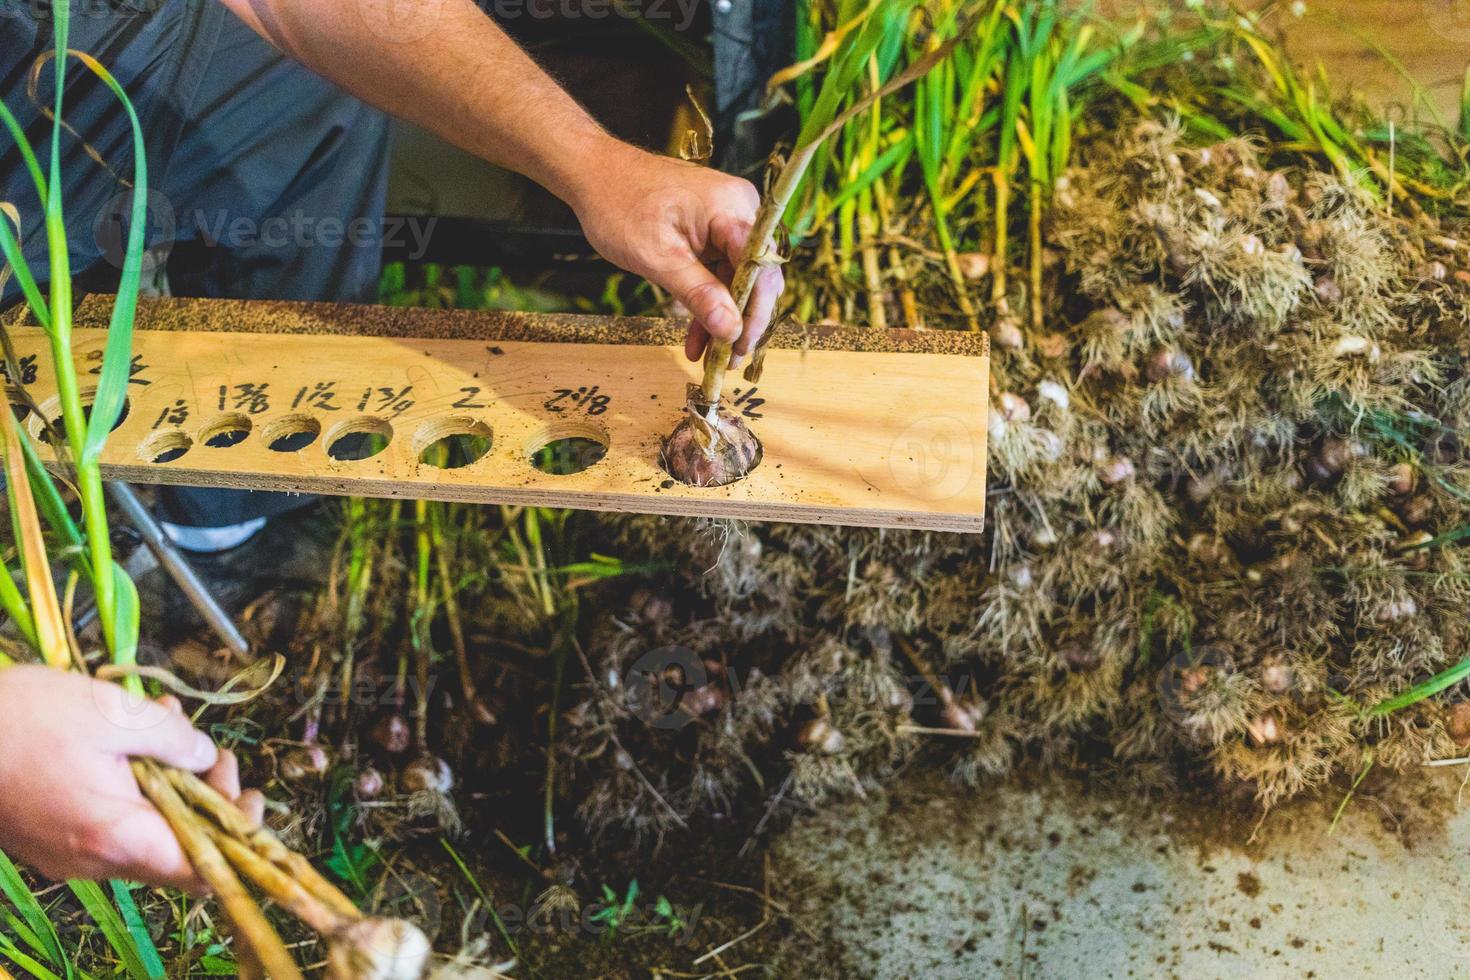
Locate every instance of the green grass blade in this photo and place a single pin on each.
(56, 248)
(13, 953)
(125, 636)
(808, 36)
(1465, 107)
(12, 925)
(483, 895)
(122, 892)
(893, 158)
(117, 359)
(27, 152)
(95, 901)
(14, 888)
(21, 269)
(15, 606)
(1426, 689)
(55, 221)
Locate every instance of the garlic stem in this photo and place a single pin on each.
(233, 822)
(249, 923)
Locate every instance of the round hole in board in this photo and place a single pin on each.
(452, 443)
(122, 415)
(564, 448)
(291, 434)
(357, 439)
(225, 431)
(165, 446)
(55, 430)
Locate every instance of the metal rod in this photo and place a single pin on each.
(178, 568)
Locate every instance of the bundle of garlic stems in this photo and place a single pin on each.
(220, 842)
(223, 844)
(855, 48)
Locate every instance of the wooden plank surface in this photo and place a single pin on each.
(859, 427)
(1429, 38)
(1350, 38)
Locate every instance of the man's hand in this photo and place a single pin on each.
(684, 227)
(447, 67)
(69, 806)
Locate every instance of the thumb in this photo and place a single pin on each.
(132, 725)
(706, 297)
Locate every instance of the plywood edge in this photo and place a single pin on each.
(608, 502)
(283, 317)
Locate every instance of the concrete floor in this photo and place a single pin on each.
(1059, 881)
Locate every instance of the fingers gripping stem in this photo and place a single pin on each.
(783, 189)
(760, 253)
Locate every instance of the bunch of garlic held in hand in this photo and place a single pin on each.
(224, 846)
(709, 449)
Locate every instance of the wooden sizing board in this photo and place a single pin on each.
(1366, 45)
(858, 427)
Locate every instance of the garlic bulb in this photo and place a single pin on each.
(819, 735)
(1013, 407)
(378, 949)
(735, 453)
(1116, 469)
(309, 762)
(1264, 730)
(1328, 291)
(1352, 346)
(1054, 392)
(973, 265)
(1005, 332)
(1402, 479)
(369, 784)
(427, 773)
(392, 734)
(1167, 362)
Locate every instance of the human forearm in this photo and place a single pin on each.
(444, 65)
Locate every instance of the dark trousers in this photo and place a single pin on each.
(266, 182)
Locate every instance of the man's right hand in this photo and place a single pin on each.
(69, 806)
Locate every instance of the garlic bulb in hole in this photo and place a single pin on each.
(734, 453)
